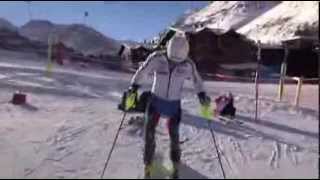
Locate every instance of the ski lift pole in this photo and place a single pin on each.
(257, 79)
(29, 10)
(113, 145)
(316, 49)
(50, 49)
(283, 73)
(85, 18)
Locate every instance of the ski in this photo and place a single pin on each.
(228, 120)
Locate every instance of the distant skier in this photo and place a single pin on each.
(170, 68)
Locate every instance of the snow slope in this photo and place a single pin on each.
(67, 128)
(284, 21)
(267, 21)
(229, 14)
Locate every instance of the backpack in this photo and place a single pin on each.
(224, 105)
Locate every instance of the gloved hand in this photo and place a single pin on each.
(131, 97)
(205, 109)
(133, 88)
(204, 99)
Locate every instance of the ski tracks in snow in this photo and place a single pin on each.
(275, 156)
(291, 154)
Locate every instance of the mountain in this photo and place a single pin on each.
(76, 36)
(268, 21)
(6, 25)
(131, 43)
(227, 14)
(10, 39)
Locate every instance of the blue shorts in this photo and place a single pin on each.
(165, 107)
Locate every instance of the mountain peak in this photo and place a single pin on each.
(6, 25)
(80, 37)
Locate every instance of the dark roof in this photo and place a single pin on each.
(218, 32)
(301, 42)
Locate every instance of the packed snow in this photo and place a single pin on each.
(68, 125)
(268, 21)
(283, 21)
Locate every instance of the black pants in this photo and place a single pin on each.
(151, 122)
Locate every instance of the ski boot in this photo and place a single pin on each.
(175, 171)
(147, 171)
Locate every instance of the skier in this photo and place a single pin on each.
(170, 68)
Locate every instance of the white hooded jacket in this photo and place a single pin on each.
(168, 77)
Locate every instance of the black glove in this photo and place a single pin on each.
(133, 88)
(203, 98)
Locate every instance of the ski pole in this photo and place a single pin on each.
(114, 142)
(257, 79)
(216, 147)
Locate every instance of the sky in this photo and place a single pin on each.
(120, 20)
